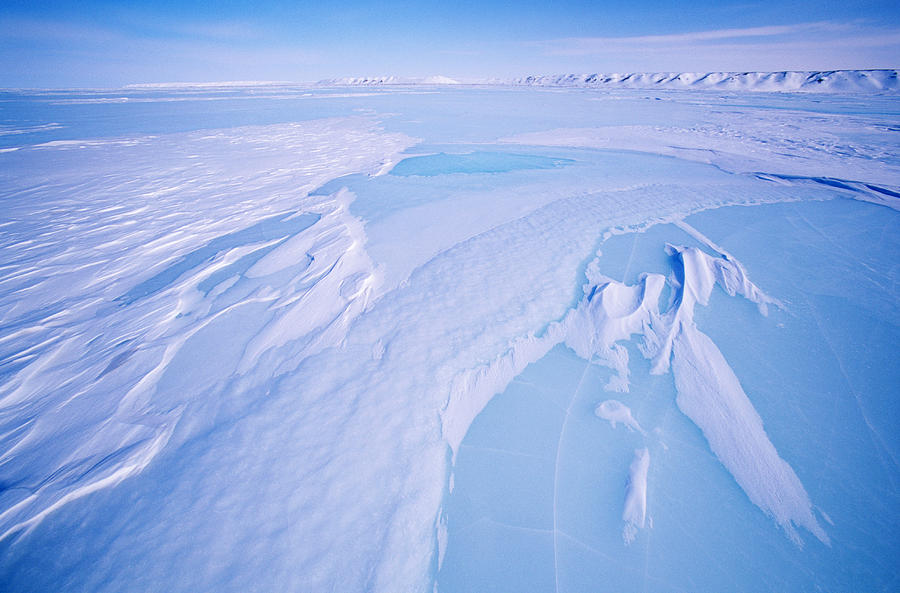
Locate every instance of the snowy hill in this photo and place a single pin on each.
(206, 85)
(386, 80)
(856, 81)
(834, 81)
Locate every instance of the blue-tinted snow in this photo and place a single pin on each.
(828, 406)
(474, 162)
(274, 411)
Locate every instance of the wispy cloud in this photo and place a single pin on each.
(589, 45)
(803, 46)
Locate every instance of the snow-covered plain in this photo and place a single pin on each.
(279, 338)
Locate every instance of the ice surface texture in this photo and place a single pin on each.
(216, 377)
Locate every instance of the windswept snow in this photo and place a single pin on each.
(118, 310)
(288, 339)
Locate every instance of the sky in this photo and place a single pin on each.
(100, 43)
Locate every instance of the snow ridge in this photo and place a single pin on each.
(853, 81)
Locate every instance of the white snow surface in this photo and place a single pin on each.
(221, 358)
(785, 145)
(97, 352)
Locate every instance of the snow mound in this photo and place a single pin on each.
(840, 81)
(438, 79)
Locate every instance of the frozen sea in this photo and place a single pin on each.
(449, 338)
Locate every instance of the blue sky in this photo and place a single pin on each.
(97, 43)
